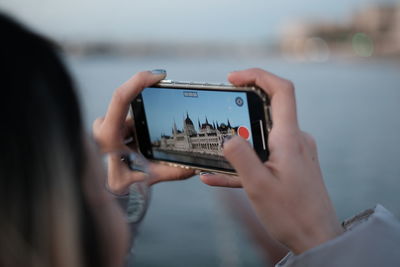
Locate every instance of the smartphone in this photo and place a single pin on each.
(185, 123)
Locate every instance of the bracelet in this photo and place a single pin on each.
(138, 202)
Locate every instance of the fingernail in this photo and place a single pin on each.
(226, 139)
(158, 72)
(206, 173)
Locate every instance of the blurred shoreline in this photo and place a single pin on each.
(370, 32)
(159, 49)
(314, 53)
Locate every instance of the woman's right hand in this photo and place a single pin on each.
(115, 127)
(287, 191)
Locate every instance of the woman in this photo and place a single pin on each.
(55, 211)
(50, 195)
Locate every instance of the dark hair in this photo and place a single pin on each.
(43, 208)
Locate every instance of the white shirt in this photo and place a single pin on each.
(372, 238)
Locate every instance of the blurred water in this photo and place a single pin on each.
(351, 108)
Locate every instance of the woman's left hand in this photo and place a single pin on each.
(111, 131)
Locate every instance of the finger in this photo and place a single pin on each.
(223, 180)
(280, 91)
(97, 125)
(128, 134)
(127, 131)
(120, 176)
(163, 173)
(253, 174)
(122, 97)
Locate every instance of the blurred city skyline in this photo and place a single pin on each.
(175, 20)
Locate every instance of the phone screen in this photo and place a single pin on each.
(189, 126)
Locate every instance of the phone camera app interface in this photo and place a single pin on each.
(190, 126)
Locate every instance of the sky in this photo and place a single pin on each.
(174, 20)
(164, 106)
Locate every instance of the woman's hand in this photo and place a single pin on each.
(114, 128)
(287, 191)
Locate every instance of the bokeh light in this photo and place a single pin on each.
(316, 49)
(362, 44)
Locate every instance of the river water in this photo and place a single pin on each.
(193, 159)
(352, 108)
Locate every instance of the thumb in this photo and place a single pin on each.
(244, 160)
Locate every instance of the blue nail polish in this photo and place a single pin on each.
(158, 72)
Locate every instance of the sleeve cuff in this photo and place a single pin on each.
(372, 238)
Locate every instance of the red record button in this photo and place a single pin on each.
(244, 132)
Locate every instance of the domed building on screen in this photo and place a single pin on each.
(207, 139)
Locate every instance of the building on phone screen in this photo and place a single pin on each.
(207, 139)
